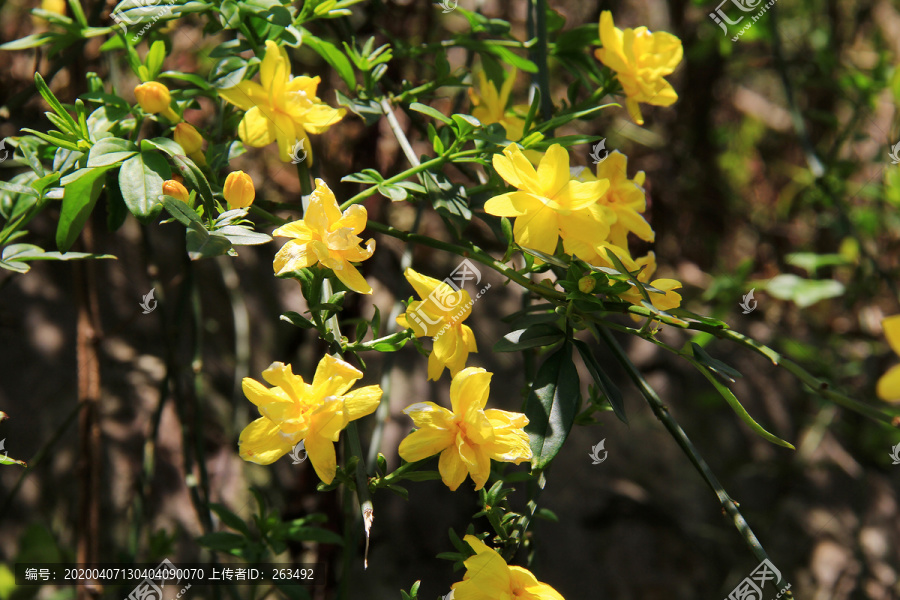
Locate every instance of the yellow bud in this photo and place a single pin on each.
(239, 191)
(188, 138)
(153, 97)
(586, 284)
(174, 188)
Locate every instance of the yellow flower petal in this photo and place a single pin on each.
(891, 327)
(261, 442)
(539, 231)
(451, 467)
(553, 171)
(245, 95)
(255, 129)
(513, 204)
(361, 402)
(334, 376)
(422, 443)
(321, 454)
(292, 256)
(351, 277)
(888, 386)
(469, 389)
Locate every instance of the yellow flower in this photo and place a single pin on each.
(154, 98)
(640, 59)
(469, 437)
(314, 413)
(173, 188)
(888, 388)
(665, 299)
(280, 107)
(326, 236)
(549, 204)
(625, 197)
(488, 577)
(490, 105)
(439, 315)
(239, 190)
(190, 139)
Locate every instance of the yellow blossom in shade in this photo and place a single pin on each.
(549, 204)
(640, 59)
(239, 190)
(294, 410)
(489, 105)
(665, 299)
(468, 437)
(176, 189)
(488, 577)
(888, 387)
(280, 107)
(187, 136)
(440, 315)
(326, 236)
(625, 197)
(155, 99)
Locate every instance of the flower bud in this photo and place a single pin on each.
(188, 138)
(175, 189)
(239, 191)
(586, 284)
(155, 98)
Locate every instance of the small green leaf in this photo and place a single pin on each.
(110, 151)
(803, 292)
(604, 383)
(297, 319)
(203, 244)
(551, 406)
(532, 337)
(313, 534)
(431, 112)
(243, 236)
(333, 56)
(140, 180)
(79, 197)
(229, 518)
(180, 211)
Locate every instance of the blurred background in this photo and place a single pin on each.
(774, 161)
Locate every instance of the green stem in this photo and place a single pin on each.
(543, 76)
(662, 413)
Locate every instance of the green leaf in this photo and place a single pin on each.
(715, 365)
(30, 41)
(229, 518)
(243, 236)
(333, 56)
(140, 180)
(79, 197)
(180, 211)
(203, 244)
(532, 337)
(551, 406)
(736, 405)
(195, 179)
(297, 319)
(44, 90)
(228, 72)
(803, 292)
(812, 262)
(604, 383)
(431, 112)
(110, 151)
(155, 57)
(313, 534)
(221, 541)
